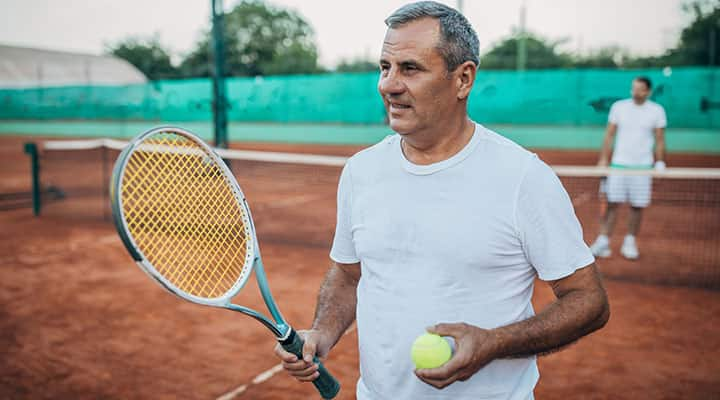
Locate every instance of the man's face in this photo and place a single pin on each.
(414, 83)
(639, 91)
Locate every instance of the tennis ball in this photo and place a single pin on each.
(430, 351)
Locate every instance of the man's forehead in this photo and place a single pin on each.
(419, 34)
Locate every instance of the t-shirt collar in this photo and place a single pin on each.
(458, 157)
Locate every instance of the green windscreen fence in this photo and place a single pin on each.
(691, 97)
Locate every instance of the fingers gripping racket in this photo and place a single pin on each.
(186, 223)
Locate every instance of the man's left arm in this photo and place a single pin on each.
(581, 307)
(660, 147)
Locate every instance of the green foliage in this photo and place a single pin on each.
(695, 40)
(147, 55)
(540, 54)
(259, 40)
(606, 57)
(695, 44)
(262, 39)
(699, 44)
(358, 65)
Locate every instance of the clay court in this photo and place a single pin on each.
(79, 321)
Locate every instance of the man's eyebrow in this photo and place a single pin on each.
(404, 63)
(411, 63)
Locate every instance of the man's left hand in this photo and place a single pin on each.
(475, 347)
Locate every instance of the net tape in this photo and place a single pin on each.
(250, 155)
(339, 161)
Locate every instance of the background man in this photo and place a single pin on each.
(639, 124)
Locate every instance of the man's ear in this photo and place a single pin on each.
(465, 78)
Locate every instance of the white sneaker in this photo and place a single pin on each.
(629, 249)
(601, 247)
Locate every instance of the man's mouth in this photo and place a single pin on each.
(398, 106)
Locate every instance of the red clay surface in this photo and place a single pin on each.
(78, 320)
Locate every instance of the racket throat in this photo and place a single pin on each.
(289, 338)
(267, 296)
(280, 330)
(288, 332)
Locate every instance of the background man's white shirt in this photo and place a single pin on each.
(635, 136)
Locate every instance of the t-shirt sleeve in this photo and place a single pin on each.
(551, 235)
(661, 120)
(613, 116)
(343, 248)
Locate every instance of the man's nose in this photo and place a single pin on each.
(390, 84)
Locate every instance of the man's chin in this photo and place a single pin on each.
(400, 127)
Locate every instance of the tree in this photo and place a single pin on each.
(259, 40)
(540, 54)
(147, 55)
(700, 41)
(606, 57)
(358, 65)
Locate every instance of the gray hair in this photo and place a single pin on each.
(458, 42)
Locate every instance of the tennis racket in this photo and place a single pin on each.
(185, 221)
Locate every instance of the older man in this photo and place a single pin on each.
(445, 226)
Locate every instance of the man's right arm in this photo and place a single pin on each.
(606, 150)
(337, 300)
(334, 314)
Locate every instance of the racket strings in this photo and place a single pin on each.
(182, 213)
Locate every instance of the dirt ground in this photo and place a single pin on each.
(79, 321)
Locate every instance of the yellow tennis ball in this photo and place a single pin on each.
(430, 351)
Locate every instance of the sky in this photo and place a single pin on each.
(343, 29)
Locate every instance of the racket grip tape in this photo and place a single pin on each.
(326, 384)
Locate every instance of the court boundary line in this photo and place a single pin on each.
(263, 376)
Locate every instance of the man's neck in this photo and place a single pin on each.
(439, 145)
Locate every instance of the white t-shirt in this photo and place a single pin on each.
(636, 131)
(461, 240)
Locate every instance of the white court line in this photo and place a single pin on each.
(252, 155)
(262, 377)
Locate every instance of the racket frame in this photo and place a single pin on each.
(253, 260)
(288, 338)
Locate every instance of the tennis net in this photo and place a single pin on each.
(293, 201)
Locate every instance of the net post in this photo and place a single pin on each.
(219, 92)
(31, 150)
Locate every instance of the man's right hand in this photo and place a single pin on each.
(602, 163)
(305, 370)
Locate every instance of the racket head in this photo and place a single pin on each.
(182, 216)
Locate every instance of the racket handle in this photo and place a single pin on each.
(326, 384)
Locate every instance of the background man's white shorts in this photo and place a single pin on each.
(635, 189)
